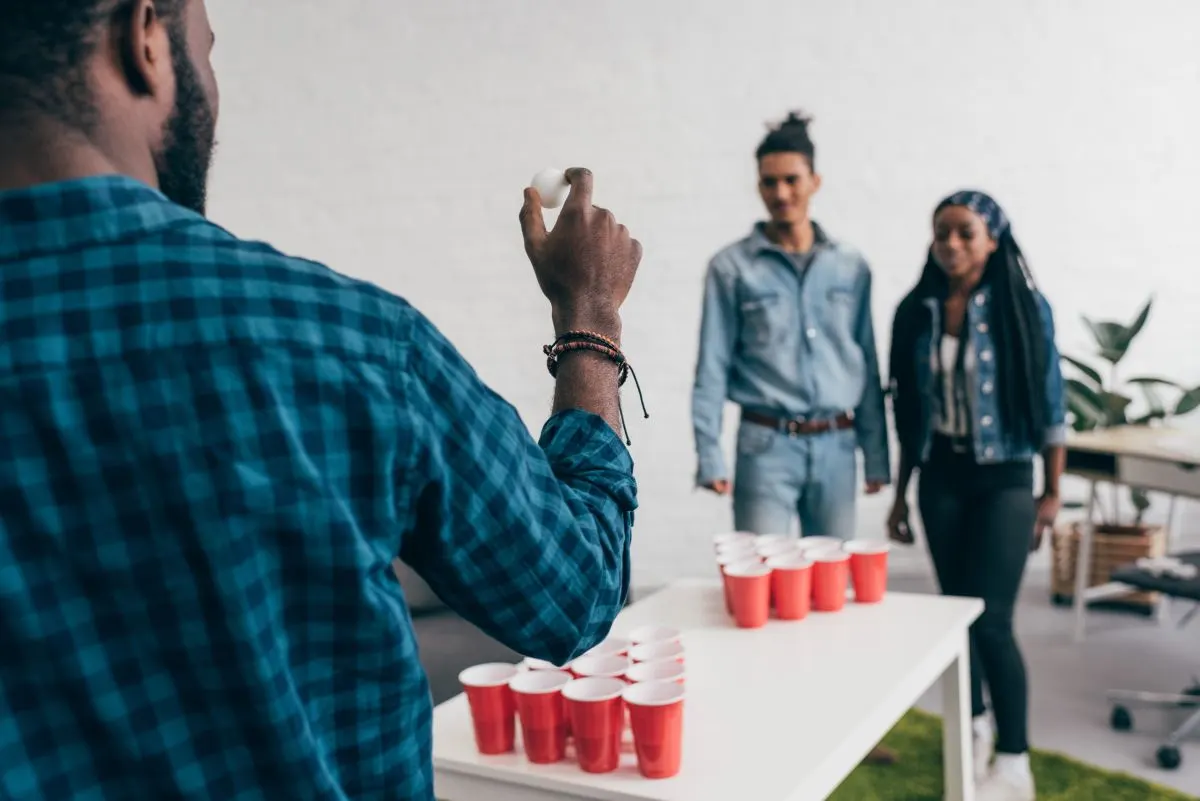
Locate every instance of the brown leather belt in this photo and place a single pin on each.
(799, 427)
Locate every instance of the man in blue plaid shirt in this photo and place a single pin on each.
(210, 454)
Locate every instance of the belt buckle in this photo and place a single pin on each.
(793, 427)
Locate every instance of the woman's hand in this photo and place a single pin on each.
(1047, 512)
(898, 528)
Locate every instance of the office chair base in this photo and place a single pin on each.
(1168, 755)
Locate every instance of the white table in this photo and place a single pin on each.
(782, 713)
(1158, 459)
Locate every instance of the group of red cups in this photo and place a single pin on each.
(620, 687)
(794, 576)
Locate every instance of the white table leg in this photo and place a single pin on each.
(1083, 567)
(956, 727)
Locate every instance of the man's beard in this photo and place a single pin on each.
(188, 136)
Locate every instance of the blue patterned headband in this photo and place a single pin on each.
(982, 204)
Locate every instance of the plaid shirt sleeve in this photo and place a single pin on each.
(529, 541)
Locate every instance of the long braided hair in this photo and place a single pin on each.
(1015, 326)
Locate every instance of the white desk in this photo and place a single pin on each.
(1157, 459)
(782, 713)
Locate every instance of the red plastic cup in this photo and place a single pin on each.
(778, 548)
(613, 646)
(600, 667)
(771, 539)
(732, 538)
(597, 716)
(744, 550)
(529, 663)
(869, 570)
(648, 634)
(750, 592)
(831, 575)
(657, 652)
(791, 586)
(492, 706)
(724, 561)
(656, 717)
(668, 670)
(543, 716)
(811, 546)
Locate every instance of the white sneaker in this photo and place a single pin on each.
(983, 740)
(1011, 780)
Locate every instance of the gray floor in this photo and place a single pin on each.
(1068, 710)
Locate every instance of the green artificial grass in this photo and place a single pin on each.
(917, 776)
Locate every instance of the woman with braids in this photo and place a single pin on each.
(977, 393)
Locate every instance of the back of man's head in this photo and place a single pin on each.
(126, 66)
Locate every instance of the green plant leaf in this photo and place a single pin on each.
(1154, 380)
(1086, 406)
(1087, 370)
(1115, 405)
(1140, 498)
(1189, 402)
(1108, 338)
(1148, 418)
(1138, 324)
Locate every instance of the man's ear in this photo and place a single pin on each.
(816, 182)
(144, 49)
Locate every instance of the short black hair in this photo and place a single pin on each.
(44, 46)
(790, 136)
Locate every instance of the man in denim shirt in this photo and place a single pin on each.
(787, 335)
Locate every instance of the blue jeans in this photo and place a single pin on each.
(779, 477)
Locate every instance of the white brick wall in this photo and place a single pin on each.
(392, 140)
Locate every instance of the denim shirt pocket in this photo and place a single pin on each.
(760, 320)
(841, 307)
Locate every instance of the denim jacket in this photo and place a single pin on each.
(790, 343)
(916, 385)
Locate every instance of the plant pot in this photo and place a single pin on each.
(1112, 547)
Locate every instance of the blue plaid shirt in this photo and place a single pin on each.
(210, 453)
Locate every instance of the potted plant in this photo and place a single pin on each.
(1098, 398)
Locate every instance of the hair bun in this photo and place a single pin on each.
(794, 119)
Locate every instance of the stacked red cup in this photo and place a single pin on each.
(540, 708)
(492, 706)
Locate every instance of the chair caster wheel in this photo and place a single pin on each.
(1169, 757)
(1121, 720)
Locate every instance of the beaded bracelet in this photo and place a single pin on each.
(575, 341)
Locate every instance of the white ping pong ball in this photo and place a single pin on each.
(552, 187)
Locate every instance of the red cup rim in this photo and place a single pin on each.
(833, 557)
(653, 671)
(656, 651)
(643, 635)
(492, 674)
(539, 664)
(593, 690)
(601, 666)
(868, 547)
(730, 537)
(654, 693)
(789, 562)
(539, 682)
(736, 547)
(747, 570)
(736, 557)
(776, 548)
(764, 539)
(613, 646)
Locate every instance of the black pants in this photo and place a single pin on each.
(978, 521)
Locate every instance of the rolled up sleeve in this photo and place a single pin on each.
(1056, 410)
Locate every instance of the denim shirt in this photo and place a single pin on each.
(789, 342)
(916, 384)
